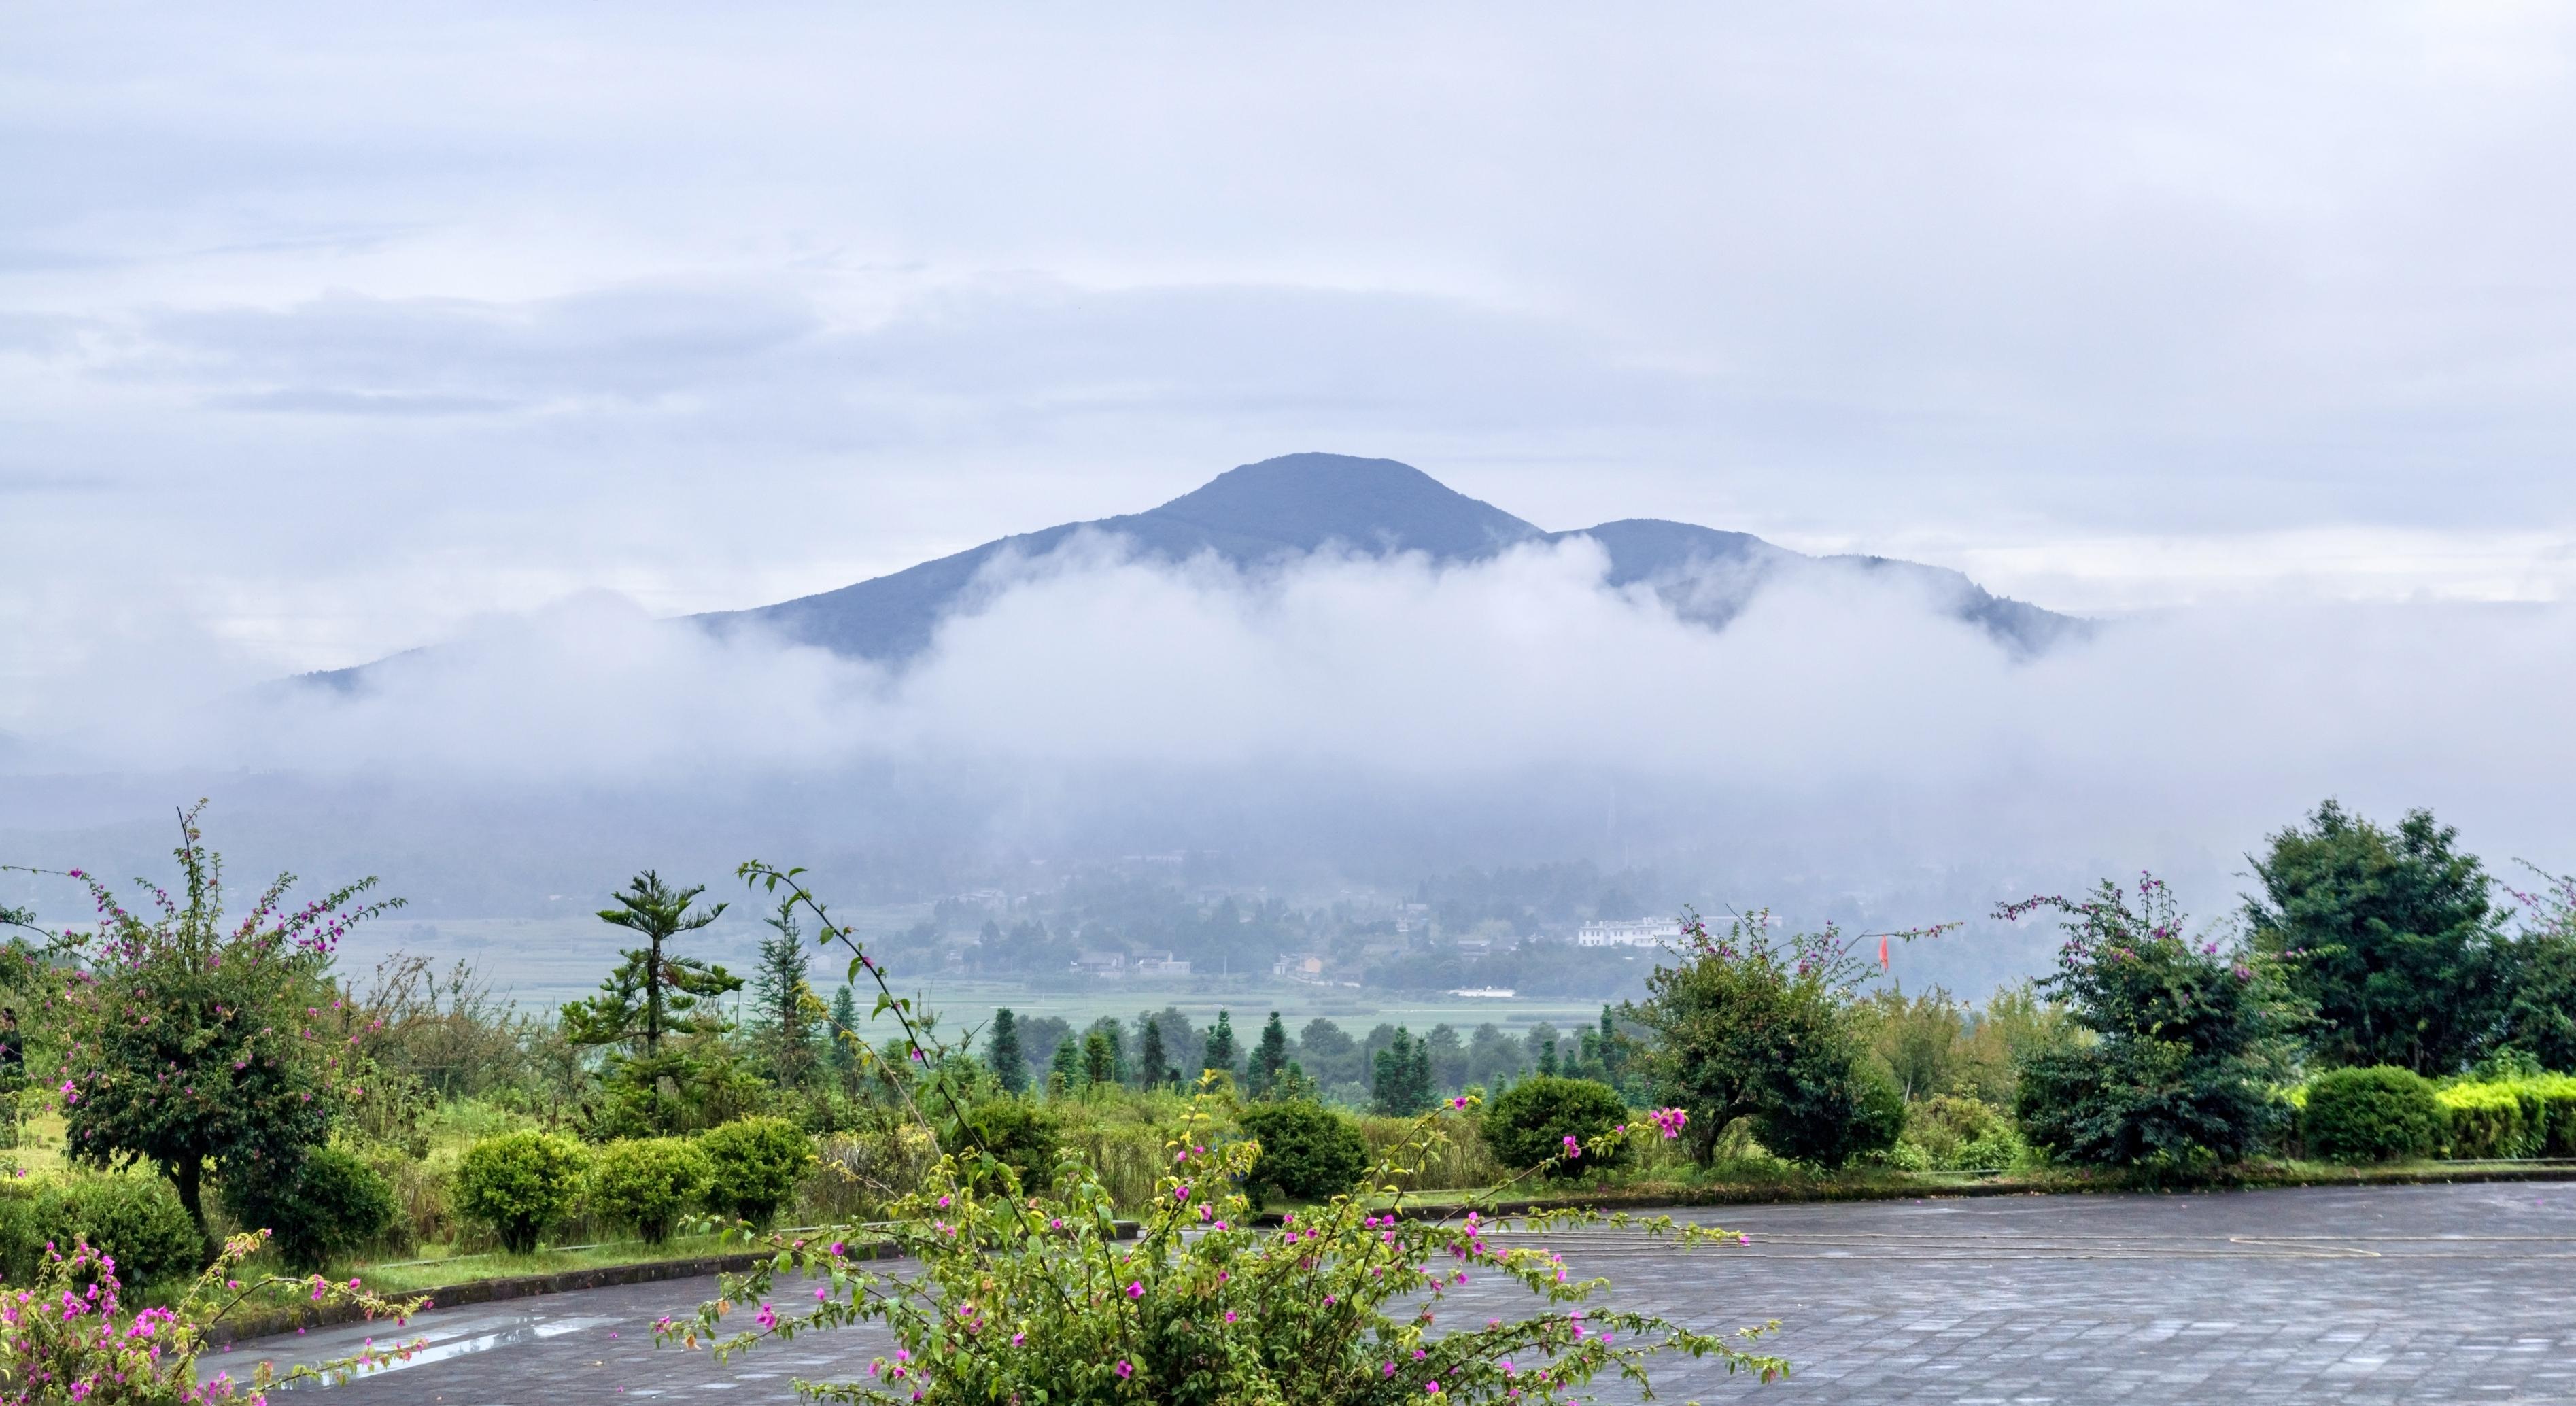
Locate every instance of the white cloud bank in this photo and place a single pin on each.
(1832, 705)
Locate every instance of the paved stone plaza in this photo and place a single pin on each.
(2450, 1293)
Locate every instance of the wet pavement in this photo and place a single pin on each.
(2440, 1293)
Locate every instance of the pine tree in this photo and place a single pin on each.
(1268, 1058)
(1153, 1067)
(1547, 1059)
(1064, 1072)
(1401, 1086)
(841, 1029)
(1002, 1052)
(1220, 1045)
(1115, 1038)
(786, 1020)
(651, 994)
(1099, 1059)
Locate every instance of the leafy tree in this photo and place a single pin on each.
(191, 1043)
(1269, 1058)
(787, 1003)
(1448, 1056)
(1743, 1026)
(1402, 1084)
(2540, 1020)
(1002, 1052)
(1219, 1054)
(1329, 1052)
(2190, 1041)
(1153, 1067)
(2387, 937)
(1114, 1036)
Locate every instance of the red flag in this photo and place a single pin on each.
(1882, 951)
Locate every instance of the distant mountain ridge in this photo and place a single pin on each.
(1280, 508)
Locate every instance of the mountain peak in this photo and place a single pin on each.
(1304, 501)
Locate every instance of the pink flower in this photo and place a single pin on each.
(768, 1316)
(1432, 1387)
(1573, 1149)
(1018, 1338)
(1124, 1369)
(1459, 1102)
(1136, 1289)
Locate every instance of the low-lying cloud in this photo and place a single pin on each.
(1093, 671)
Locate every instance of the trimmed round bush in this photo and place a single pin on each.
(1021, 1134)
(135, 1220)
(1308, 1151)
(753, 1166)
(332, 1204)
(2379, 1114)
(519, 1184)
(647, 1182)
(1533, 1118)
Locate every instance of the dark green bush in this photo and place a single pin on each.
(647, 1183)
(1531, 1121)
(332, 1204)
(1021, 1134)
(753, 1165)
(1308, 1151)
(519, 1184)
(2379, 1114)
(135, 1220)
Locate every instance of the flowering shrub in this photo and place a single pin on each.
(192, 1042)
(2191, 1040)
(1030, 1297)
(68, 1337)
(1545, 1120)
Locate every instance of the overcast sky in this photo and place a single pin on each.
(324, 332)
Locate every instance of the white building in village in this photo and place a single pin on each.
(1624, 932)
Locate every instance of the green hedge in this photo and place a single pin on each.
(135, 1220)
(2534, 1117)
(2378, 1114)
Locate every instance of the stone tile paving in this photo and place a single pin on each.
(2413, 1294)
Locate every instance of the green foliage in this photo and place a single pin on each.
(648, 1183)
(2189, 1044)
(787, 1005)
(1100, 1057)
(1745, 1026)
(331, 1204)
(2379, 1114)
(1308, 1152)
(1153, 1064)
(1562, 1124)
(1002, 1052)
(1020, 1135)
(753, 1166)
(1019, 1298)
(651, 997)
(2540, 1018)
(136, 1221)
(2387, 937)
(67, 1336)
(1219, 1054)
(1961, 1134)
(1269, 1059)
(2533, 1116)
(1400, 1082)
(194, 1040)
(520, 1184)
